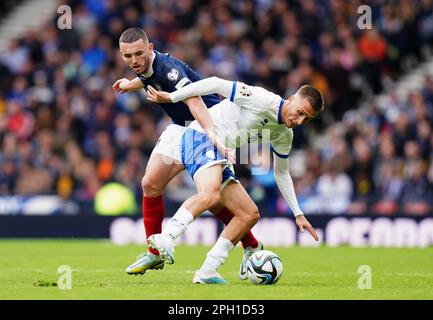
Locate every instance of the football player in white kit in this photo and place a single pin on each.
(246, 109)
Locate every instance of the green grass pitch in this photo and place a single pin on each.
(28, 270)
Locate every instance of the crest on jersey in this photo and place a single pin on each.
(173, 75)
(245, 91)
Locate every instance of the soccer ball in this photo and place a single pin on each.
(264, 267)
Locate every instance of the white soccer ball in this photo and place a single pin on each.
(264, 267)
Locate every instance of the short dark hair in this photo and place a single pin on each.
(133, 34)
(314, 96)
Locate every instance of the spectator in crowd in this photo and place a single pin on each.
(416, 194)
(388, 189)
(334, 188)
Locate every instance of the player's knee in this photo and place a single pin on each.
(255, 215)
(210, 198)
(213, 199)
(150, 187)
(250, 216)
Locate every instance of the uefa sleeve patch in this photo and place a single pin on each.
(245, 91)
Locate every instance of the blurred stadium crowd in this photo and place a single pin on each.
(64, 131)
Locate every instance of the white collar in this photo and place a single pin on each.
(149, 72)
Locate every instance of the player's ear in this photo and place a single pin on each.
(150, 46)
(120, 48)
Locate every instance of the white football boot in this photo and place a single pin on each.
(248, 252)
(165, 245)
(145, 261)
(208, 278)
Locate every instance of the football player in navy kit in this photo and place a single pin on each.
(167, 73)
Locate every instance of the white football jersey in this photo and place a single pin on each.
(251, 114)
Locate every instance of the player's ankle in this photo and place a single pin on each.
(153, 251)
(207, 268)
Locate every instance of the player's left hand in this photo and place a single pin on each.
(303, 223)
(157, 96)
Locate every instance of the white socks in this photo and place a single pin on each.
(217, 255)
(177, 225)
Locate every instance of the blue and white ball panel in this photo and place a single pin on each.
(198, 153)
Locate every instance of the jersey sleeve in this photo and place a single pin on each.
(251, 97)
(282, 143)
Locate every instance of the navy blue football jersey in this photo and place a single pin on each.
(170, 74)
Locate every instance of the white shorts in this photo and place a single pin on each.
(169, 142)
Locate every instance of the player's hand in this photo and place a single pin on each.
(157, 96)
(121, 85)
(230, 154)
(303, 223)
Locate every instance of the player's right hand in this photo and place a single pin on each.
(230, 154)
(121, 85)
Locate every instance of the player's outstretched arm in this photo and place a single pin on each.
(203, 87)
(124, 85)
(285, 184)
(199, 88)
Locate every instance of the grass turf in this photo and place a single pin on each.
(28, 270)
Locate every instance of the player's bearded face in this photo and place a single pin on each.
(137, 55)
(298, 111)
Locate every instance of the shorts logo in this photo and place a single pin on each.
(210, 154)
(173, 75)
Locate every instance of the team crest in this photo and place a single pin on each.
(173, 75)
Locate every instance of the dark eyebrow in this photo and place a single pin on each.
(309, 116)
(132, 53)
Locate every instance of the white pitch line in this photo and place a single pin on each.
(408, 274)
